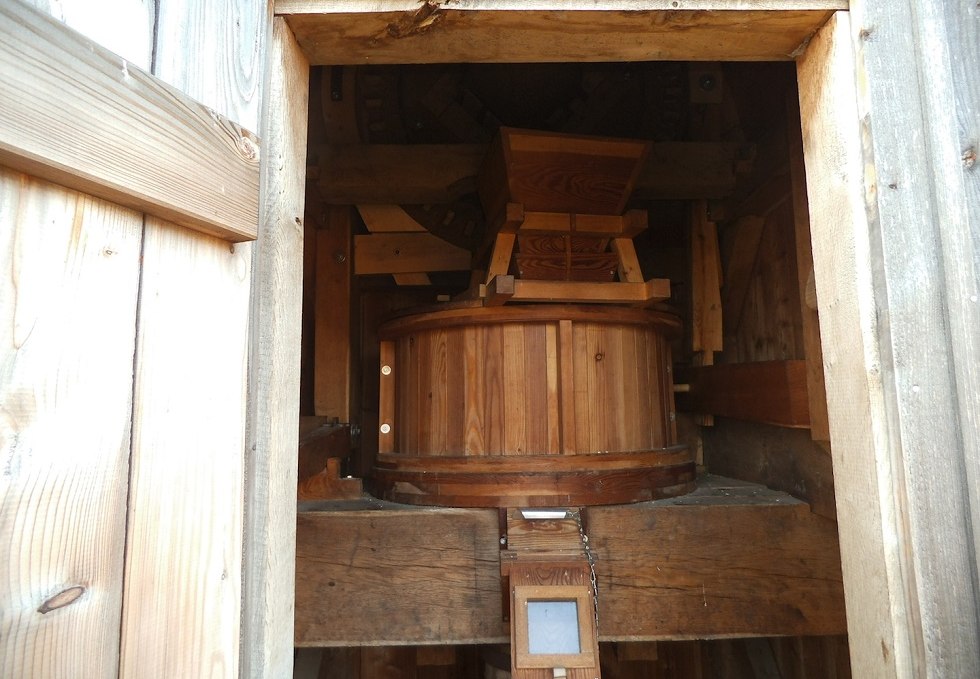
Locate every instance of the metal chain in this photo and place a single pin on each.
(590, 558)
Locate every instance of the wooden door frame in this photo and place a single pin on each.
(903, 581)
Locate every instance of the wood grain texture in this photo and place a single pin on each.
(393, 33)
(874, 562)
(68, 296)
(734, 557)
(760, 560)
(184, 551)
(274, 369)
(910, 252)
(127, 136)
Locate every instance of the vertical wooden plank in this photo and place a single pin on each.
(535, 387)
(621, 412)
(553, 446)
(184, 550)
(918, 101)
(68, 291)
(515, 390)
(386, 398)
(423, 345)
(438, 392)
(496, 395)
(331, 361)
(816, 389)
(71, 267)
(274, 376)
(474, 349)
(455, 392)
(705, 282)
(566, 371)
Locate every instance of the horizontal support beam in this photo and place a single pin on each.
(73, 113)
(504, 289)
(571, 224)
(729, 559)
(511, 32)
(399, 253)
(441, 173)
(773, 392)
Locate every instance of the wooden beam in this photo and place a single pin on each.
(891, 180)
(602, 226)
(442, 173)
(773, 392)
(407, 253)
(76, 114)
(394, 219)
(398, 32)
(706, 331)
(650, 292)
(731, 558)
(274, 369)
(332, 331)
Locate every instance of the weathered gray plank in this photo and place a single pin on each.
(897, 285)
(274, 364)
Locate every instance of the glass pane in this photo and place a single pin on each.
(552, 627)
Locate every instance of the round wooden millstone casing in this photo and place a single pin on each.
(543, 405)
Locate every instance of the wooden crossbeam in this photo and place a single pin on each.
(442, 173)
(506, 288)
(730, 558)
(76, 114)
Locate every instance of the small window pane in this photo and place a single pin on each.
(552, 627)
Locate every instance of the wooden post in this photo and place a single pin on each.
(331, 363)
(889, 133)
(274, 362)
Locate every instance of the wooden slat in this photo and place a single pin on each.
(399, 32)
(407, 253)
(773, 392)
(274, 375)
(386, 398)
(441, 173)
(897, 303)
(126, 136)
(332, 323)
(191, 385)
(68, 290)
(732, 558)
(607, 226)
(387, 219)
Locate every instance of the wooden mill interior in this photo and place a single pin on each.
(739, 577)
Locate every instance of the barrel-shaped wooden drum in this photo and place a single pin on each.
(544, 405)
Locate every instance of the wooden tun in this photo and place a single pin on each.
(543, 405)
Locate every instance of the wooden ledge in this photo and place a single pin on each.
(73, 113)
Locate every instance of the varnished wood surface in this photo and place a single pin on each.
(493, 388)
(126, 136)
(730, 558)
(400, 32)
